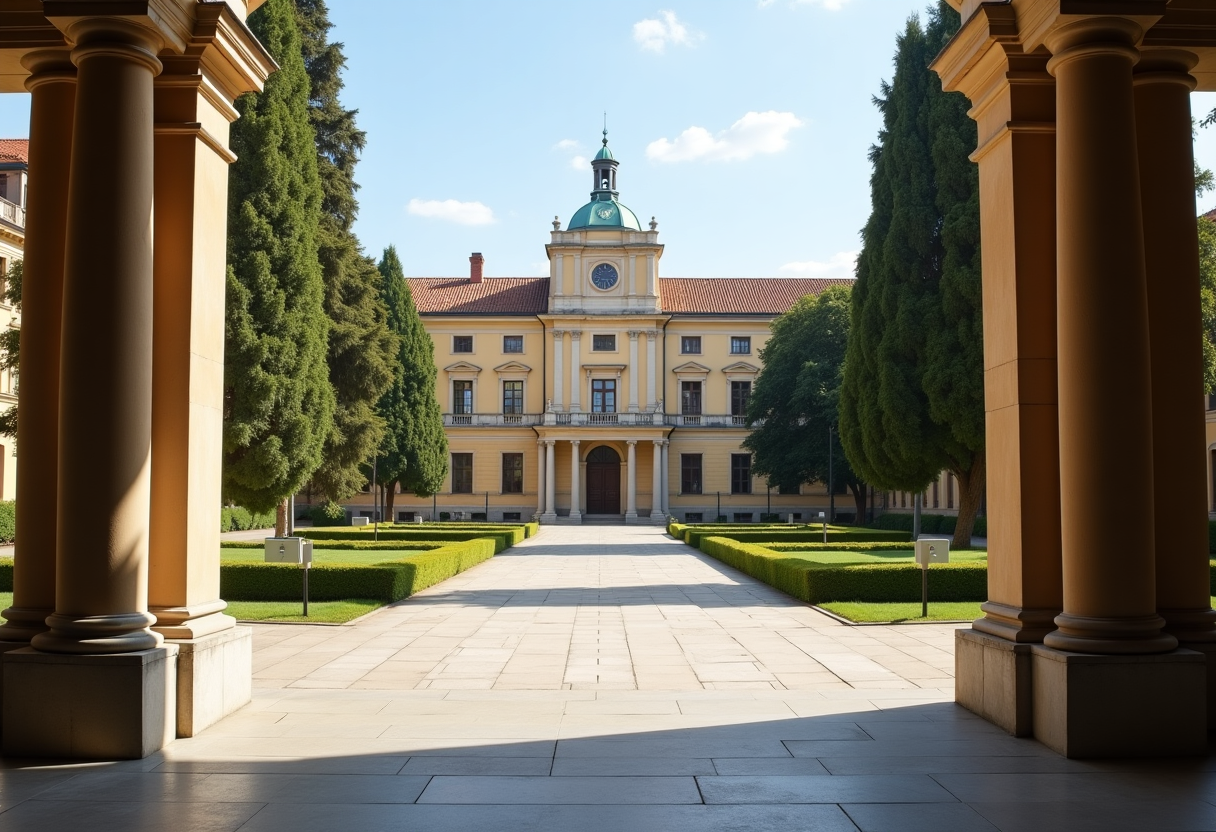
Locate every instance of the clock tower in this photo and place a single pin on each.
(604, 262)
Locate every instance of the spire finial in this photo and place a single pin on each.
(605, 129)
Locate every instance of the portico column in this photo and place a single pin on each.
(540, 477)
(52, 87)
(559, 347)
(105, 405)
(631, 482)
(1167, 193)
(575, 338)
(651, 369)
(666, 487)
(1110, 603)
(633, 370)
(575, 462)
(656, 484)
(550, 484)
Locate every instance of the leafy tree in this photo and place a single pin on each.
(278, 403)
(361, 347)
(794, 401)
(1207, 282)
(414, 454)
(911, 401)
(10, 345)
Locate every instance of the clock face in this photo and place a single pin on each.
(604, 276)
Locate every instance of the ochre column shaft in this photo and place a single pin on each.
(52, 87)
(106, 359)
(1108, 568)
(1163, 132)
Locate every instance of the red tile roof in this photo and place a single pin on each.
(492, 296)
(1210, 215)
(678, 295)
(14, 150)
(739, 295)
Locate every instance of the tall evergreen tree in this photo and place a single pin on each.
(414, 454)
(361, 347)
(793, 409)
(278, 403)
(911, 400)
(10, 345)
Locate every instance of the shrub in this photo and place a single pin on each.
(504, 537)
(238, 519)
(444, 516)
(328, 514)
(798, 534)
(389, 581)
(8, 521)
(939, 524)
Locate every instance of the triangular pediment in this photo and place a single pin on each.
(691, 368)
(741, 367)
(512, 367)
(462, 367)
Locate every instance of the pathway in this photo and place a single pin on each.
(606, 679)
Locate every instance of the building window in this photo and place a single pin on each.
(512, 473)
(740, 473)
(512, 343)
(690, 473)
(462, 343)
(510, 515)
(740, 392)
(462, 473)
(743, 516)
(462, 397)
(949, 490)
(513, 397)
(936, 497)
(740, 345)
(690, 398)
(694, 516)
(690, 344)
(603, 343)
(603, 395)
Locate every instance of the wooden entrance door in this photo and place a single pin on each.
(603, 481)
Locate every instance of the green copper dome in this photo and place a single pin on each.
(604, 153)
(604, 212)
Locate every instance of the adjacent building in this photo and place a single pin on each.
(14, 170)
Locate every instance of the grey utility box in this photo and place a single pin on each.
(932, 550)
(295, 550)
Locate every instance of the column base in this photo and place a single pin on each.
(5, 647)
(576, 517)
(116, 706)
(658, 518)
(631, 518)
(1095, 706)
(1208, 651)
(214, 678)
(992, 680)
(193, 621)
(548, 517)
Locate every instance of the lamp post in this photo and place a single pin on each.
(831, 482)
(375, 503)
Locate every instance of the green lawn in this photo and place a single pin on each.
(938, 611)
(904, 555)
(319, 612)
(351, 556)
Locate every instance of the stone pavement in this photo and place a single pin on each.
(601, 678)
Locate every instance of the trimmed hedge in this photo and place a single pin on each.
(929, 523)
(1212, 537)
(818, 583)
(349, 545)
(238, 519)
(8, 521)
(803, 534)
(388, 582)
(503, 537)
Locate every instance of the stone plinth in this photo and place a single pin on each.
(116, 706)
(214, 677)
(992, 679)
(1088, 706)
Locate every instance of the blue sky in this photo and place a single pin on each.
(742, 126)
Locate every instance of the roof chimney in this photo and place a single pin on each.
(475, 264)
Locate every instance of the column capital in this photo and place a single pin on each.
(558, 333)
(1093, 36)
(1165, 66)
(575, 442)
(651, 334)
(550, 442)
(576, 334)
(633, 334)
(631, 441)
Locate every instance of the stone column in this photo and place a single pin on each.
(559, 348)
(1163, 137)
(575, 386)
(651, 368)
(656, 488)
(105, 405)
(631, 482)
(633, 370)
(575, 494)
(52, 87)
(550, 514)
(540, 477)
(666, 487)
(1108, 568)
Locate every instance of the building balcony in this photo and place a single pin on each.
(490, 420)
(703, 420)
(12, 213)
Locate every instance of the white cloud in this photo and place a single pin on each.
(653, 34)
(841, 264)
(579, 162)
(567, 144)
(829, 5)
(462, 213)
(754, 133)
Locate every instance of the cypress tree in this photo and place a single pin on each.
(278, 404)
(414, 454)
(911, 400)
(361, 347)
(793, 409)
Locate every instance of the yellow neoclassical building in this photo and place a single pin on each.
(603, 390)
(14, 171)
